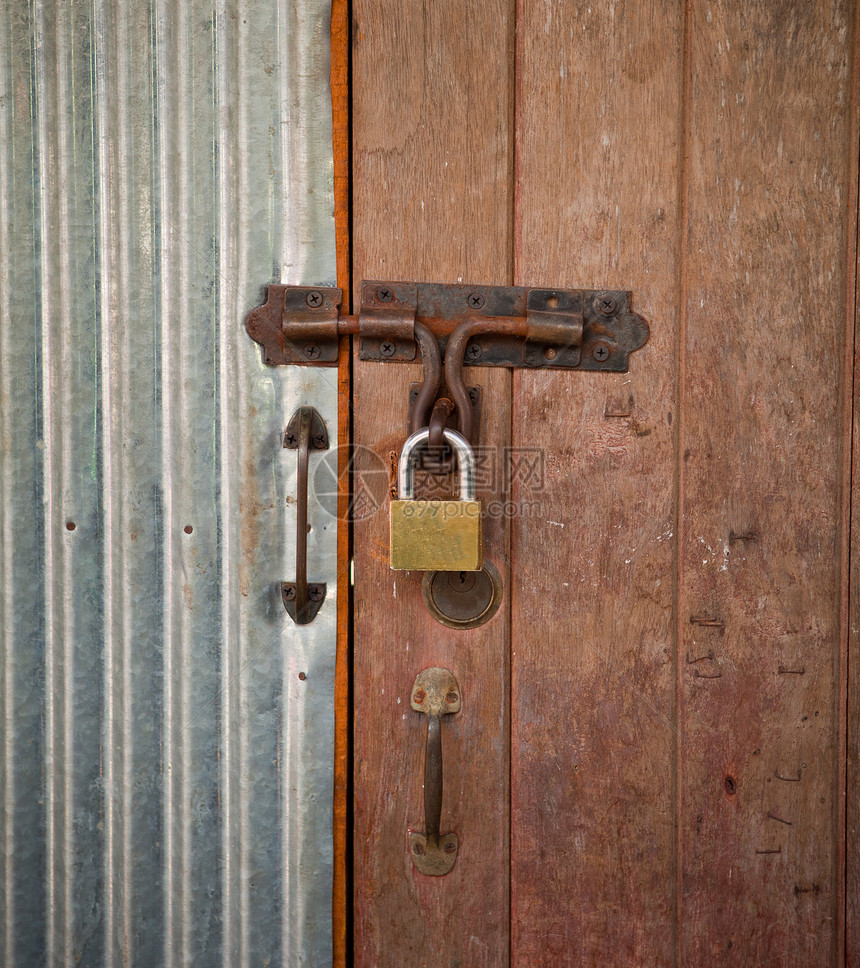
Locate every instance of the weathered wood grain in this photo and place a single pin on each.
(678, 582)
(599, 153)
(852, 684)
(852, 672)
(340, 84)
(771, 169)
(852, 819)
(432, 181)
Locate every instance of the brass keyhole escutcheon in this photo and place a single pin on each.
(463, 599)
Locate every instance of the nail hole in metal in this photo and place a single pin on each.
(188, 529)
(303, 676)
(70, 525)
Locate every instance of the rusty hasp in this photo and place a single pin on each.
(512, 326)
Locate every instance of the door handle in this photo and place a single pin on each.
(436, 693)
(302, 599)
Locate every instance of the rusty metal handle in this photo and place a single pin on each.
(435, 693)
(302, 599)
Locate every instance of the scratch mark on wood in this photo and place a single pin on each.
(708, 675)
(773, 816)
(742, 536)
(707, 621)
(787, 779)
(811, 889)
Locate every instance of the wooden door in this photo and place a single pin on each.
(651, 760)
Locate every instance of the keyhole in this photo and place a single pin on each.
(461, 581)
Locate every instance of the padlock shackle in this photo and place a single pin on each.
(465, 463)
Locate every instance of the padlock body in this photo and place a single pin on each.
(436, 535)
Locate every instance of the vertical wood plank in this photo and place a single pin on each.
(599, 139)
(432, 198)
(852, 800)
(340, 81)
(772, 173)
(852, 672)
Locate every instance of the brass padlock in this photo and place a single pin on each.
(436, 535)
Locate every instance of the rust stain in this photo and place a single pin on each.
(250, 520)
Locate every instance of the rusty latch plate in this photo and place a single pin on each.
(297, 324)
(584, 329)
(603, 329)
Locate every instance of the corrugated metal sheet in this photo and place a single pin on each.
(167, 778)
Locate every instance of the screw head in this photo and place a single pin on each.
(473, 395)
(600, 352)
(312, 352)
(451, 698)
(290, 439)
(476, 300)
(450, 848)
(319, 441)
(474, 352)
(420, 696)
(384, 295)
(417, 849)
(314, 299)
(607, 306)
(289, 593)
(387, 348)
(315, 593)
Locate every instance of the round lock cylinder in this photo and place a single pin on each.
(463, 599)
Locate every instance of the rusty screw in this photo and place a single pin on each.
(319, 441)
(387, 348)
(474, 352)
(314, 299)
(476, 300)
(384, 295)
(451, 698)
(417, 849)
(315, 593)
(290, 439)
(450, 848)
(312, 352)
(606, 306)
(600, 352)
(289, 593)
(420, 696)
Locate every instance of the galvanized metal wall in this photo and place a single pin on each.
(166, 781)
